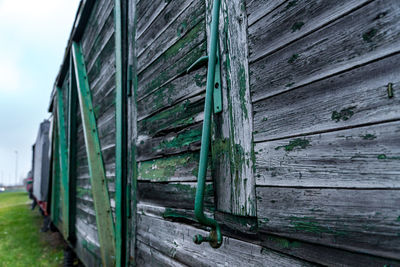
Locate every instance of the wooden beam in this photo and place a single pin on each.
(63, 160)
(232, 146)
(104, 217)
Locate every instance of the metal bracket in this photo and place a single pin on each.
(217, 92)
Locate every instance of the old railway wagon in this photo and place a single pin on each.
(229, 133)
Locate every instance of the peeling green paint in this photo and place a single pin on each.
(163, 169)
(344, 114)
(181, 140)
(291, 4)
(290, 84)
(368, 137)
(242, 90)
(293, 58)
(173, 214)
(367, 36)
(383, 156)
(310, 225)
(297, 26)
(293, 144)
(284, 243)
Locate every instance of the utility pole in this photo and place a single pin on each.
(16, 166)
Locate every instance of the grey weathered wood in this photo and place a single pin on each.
(183, 114)
(86, 250)
(172, 143)
(147, 11)
(232, 147)
(148, 256)
(365, 221)
(284, 25)
(173, 62)
(174, 195)
(178, 244)
(167, 29)
(170, 214)
(353, 98)
(257, 9)
(132, 134)
(370, 33)
(100, 14)
(366, 157)
(170, 94)
(324, 255)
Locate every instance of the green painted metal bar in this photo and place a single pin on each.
(120, 142)
(72, 149)
(55, 171)
(215, 238)
(104, 217)
(63, 156)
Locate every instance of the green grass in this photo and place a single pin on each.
(21, 242)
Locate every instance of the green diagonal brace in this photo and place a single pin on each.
(63, 157)
(104, 217)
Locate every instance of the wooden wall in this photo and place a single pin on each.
(325, 130)
(98, 47)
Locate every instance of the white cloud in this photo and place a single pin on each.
(10, 78)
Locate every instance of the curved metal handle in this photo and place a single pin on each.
(215, 237)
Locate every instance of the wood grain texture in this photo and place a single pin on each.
(178, 245)
(232, 147)
(147, 11)
(180, 17)
(148, 256)
(172, 143)
(174, 195)
(366, 221)
(177, 90)
(183, 114)
(293, 21)
(256, 9)
(367, 34)
(176, 168)
(173, 62)
(353, 98)
(366, 157)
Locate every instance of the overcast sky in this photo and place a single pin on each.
(33, 36)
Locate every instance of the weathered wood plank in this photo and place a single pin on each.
(291, 22)
(148, 256)
(353, 98)
(178, 244)
(323, 255)
(147, 11)
(87, 251)
(366, 157)
(365, 35)
(170, 144)
(176, 168)
(257, 9)
(172, 93)
(174, 195)
(100, 13)
(232, 147)
(173, 62)
(183, 114)
(365, 221)
(180, 17)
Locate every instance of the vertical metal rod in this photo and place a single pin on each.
(215, 238)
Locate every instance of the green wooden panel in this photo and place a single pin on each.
(63, 158)
(72, 148)
(104, 217)
(55, 196)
